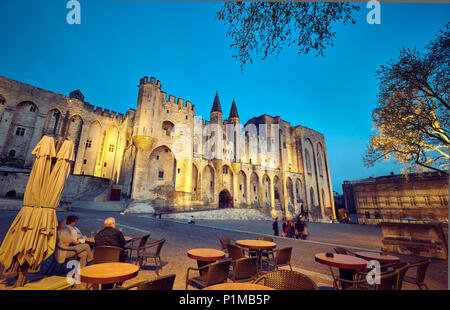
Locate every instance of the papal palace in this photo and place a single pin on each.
(163, 154)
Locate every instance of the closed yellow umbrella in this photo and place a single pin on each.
(32, 235)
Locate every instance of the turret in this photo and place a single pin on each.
(216, 111)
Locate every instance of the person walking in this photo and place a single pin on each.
(275, 227)
(285, 228)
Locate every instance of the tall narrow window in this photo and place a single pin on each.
(88, 143)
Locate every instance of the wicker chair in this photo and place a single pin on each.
(287, 280)
(235, 251)
(164, 283)
(156, 247)
(340, 250)
(132, 247)
(419, 279)
(54, 263)
(282, 258)
(216, 273)
(106, 254)
(245, 269)
(387, 281)
(224, 242)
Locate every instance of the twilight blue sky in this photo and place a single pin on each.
(183, 45)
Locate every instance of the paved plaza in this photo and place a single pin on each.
(182, 237)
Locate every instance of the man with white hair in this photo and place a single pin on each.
(112, 237)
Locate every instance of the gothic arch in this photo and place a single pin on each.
(242, 187)
(208, 184)
(161, 167)
(91, 147)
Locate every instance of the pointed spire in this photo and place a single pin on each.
(233, 111)
(216, 105)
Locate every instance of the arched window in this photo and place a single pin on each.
(308, 162)
(168, 127)
(319, 164)
(2, 100)
(12, 153)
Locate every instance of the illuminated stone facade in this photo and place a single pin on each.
(398, 198)
(163, 154)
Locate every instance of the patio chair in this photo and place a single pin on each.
(419, 279)
(54, 263)
(282, 258)
(401, 275)
(216, 273)
(106, 254)
(245, 269)
(340, 250)
(387, 281)
(164, 283)
(225, 241)
(235, 251)
(264, 253)
(287, 280)
(141, 241)
(143, 253)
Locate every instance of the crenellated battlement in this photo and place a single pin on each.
(153, 81)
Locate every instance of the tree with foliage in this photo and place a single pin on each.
(411, 120)
(264, 27)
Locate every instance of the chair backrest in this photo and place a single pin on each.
(283, 256)
(224, 242)
(106, 254)
(218, 272)
(422, 267)
(265, 238)
(246, 267)
(235, 251)
(340, 250)
(287, 280)
(159, 246)
(143, 240)
(161, 283)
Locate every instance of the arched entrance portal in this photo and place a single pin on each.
(225, 199)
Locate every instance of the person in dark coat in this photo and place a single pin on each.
(275, 227)
(112, 237)
(299, 227)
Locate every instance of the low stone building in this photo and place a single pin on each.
(162, 154)
(400, 198)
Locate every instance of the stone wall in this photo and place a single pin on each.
(77, 186)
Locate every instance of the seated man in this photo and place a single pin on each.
(191, 220)
(112, 237)
(67, 247)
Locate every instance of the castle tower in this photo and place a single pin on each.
(216, 111)
(143, 131)
(234, 116)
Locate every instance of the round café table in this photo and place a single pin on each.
(104, 273)
(205, 256)
(347, 264)
(258, 245)
(230, 286)
(382, 258)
